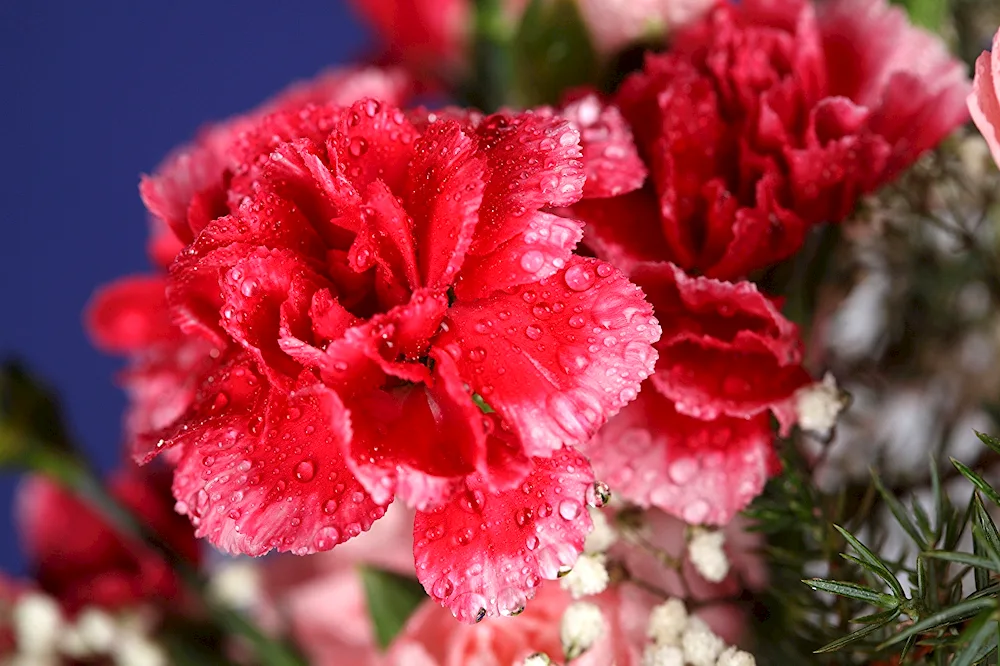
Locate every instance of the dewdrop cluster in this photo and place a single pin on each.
(677, 639)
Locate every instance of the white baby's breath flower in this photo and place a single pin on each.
(733, 656)
(37, 623)
(138, 650)
(707, 556)
(662, 655)
(701, 646)
(236, 584)
(667, 622)
(97, 630)
(818, 405)
(603, 536)
(582, 625)
(587, 577)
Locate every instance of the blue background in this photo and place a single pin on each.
(95, 93)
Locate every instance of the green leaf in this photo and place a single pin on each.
(872, 562)
(552, 52)
(899, 511)
(964, 558)
(930, 14)
(984, 531)
(989, 440)
(975, 638)
(877, 621)
(978, 481)
(853, 591)
(963, 610)
(391, 598)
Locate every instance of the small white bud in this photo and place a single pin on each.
(537, 659)
(701, 646)
(587, 577)
(37, 622)
(662, 655)
(819, 404)
(97, 630)
(733, 656)
(603, 536)
(667, 622)
(236, 584)
(707, 556)
(582, 625)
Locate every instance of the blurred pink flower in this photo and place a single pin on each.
(984, 100)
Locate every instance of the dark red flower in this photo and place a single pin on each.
(81, 560)
(698, 441)
(762, 120)
(383, 278)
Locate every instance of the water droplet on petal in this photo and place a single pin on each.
(598, 494)
(305, 470)
(569, 509)
(330, 506)
(357, 146)
(532, 261)
(579, 277)
(442, 588)
(511, 601)
(533, 332)
(327, 538)
(696, 512)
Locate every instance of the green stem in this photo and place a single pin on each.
(72, 472)
(493, 68)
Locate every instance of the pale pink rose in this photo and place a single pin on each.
(984, 100)
(432, 637)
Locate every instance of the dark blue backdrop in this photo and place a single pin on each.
(95, 93)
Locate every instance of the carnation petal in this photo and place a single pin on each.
(444, 193)
(610, 158)
(984, 100)
(703, 471)
(556, 358)
(130, 314)
(623, 230)
(265, 473)
(484, 554)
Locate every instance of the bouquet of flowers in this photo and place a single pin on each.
(575, 332)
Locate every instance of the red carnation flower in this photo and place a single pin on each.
(382, 280)
(762, 120)
(81, 560)
(984, 100)
(698, 441)
(130, 316)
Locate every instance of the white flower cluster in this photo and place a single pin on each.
(706, 554)
(589, 575)
(43, 636)
(818, 405)
(582, 625)
(680, 640)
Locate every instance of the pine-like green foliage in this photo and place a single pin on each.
(936, 605)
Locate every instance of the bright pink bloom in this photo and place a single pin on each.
(432, 638)
(380, 274)
(81, 560)
(984, 100)
(764, 119)
(130, 316)
(698, 442)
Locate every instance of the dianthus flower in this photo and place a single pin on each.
(984, 100)
(396, 313)
(130, 316)
(763, 119)
(760, 121)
